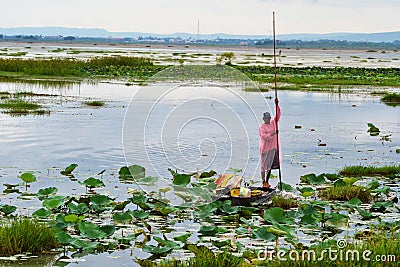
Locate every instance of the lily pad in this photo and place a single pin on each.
(276, 231)
(366, 215)
(313, 179)
(166, 243)
(227, 207)
(181, 179)
(164, 209)
(140, 214)
(306, 191)
(373, 130)
(183, 238)
(108, 229)
(7, 209)
(73, 218)
(220, 244)
(374, 184)
(64, 238)
(204, 211)
(149, 180)
(277, 215)
(186, 196)
(157, 250)
(42, 213)
(384, 190)
(336, 218)
(233, 170)
(101, 200)
(332, 177)
(309, 219)
(68, 170)
(354, 202)
(53, 202)
(126, 239)
(212, 230)
(136, 171)
(91, 231)
(286, 187)
(81, 208)
(45, 192)
(204, 193)
(28, 177)
(85, 245)
(264, 234)
(93, 182)
(122, 216)
(381, 206)
(208, 174)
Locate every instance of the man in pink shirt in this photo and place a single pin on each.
(269, 158)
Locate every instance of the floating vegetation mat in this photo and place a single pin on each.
(199, 229)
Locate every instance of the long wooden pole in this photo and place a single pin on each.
(276, 104)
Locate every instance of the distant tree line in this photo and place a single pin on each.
(292, 44)
(330, 44)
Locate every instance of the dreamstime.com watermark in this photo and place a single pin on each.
(338, 253)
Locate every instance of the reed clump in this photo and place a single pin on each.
(358, 171)
(22, 235)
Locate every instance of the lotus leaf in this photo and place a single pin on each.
(68, 170)
(7, 209)
(45, 192)
(53, 202)
(42, 213)
(212, 230)
(28, 177)
(81, 208)
(93, 182)
(122, 216)
(264, 234)
(183, 238)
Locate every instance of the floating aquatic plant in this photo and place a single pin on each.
(373, 130)
(28, 178)
(68, 170)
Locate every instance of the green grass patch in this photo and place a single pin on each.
(95, 103)
(17, 54)
(358, 171)
(284, 203)
(391, 99)
(20, 107)
(4, 95)
(324, 76)
(23, 235)
(379, 93)
(58, 50)
(111, 66)
(383, 245)
(203, 257)
(18, 104)
(345, 193)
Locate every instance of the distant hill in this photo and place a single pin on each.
(96, 32)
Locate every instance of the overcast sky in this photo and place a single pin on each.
(215, 16)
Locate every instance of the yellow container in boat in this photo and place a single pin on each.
(235, 192)
(241, 192)
(255, 193)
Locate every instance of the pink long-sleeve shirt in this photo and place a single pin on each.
(267, 132)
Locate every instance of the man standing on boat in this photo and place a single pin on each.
(269, 157)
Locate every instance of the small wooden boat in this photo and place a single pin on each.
(266, 194)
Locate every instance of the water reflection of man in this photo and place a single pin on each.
(269, 158)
